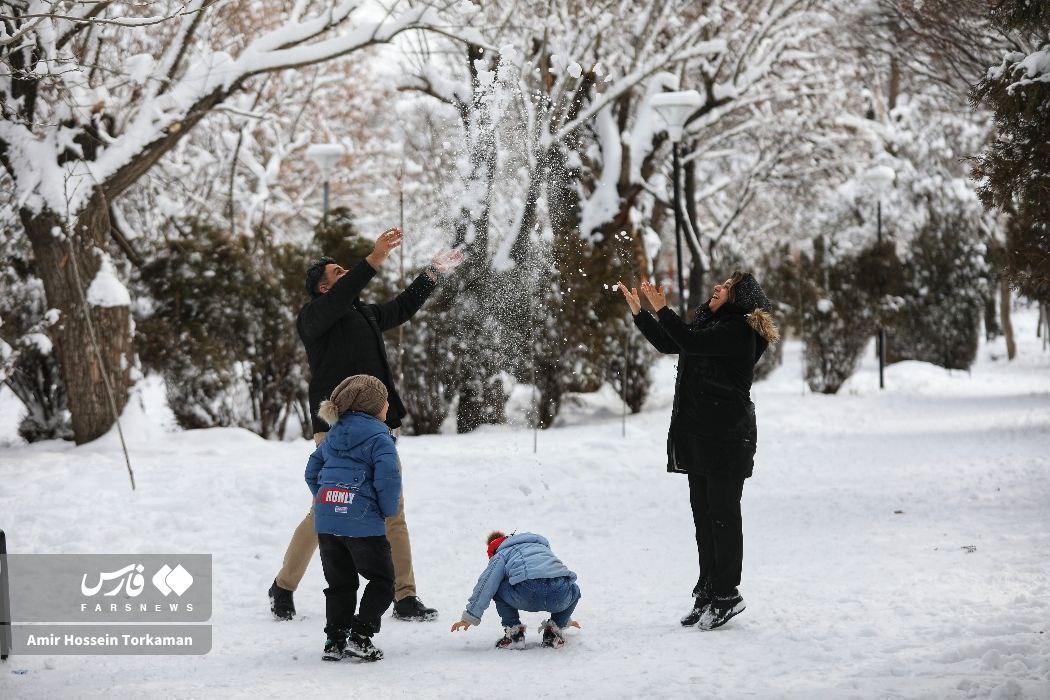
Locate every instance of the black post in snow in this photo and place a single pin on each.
(324, 205)
(678, 228)
(401, 279)
(623, 381)
(5, 601)
(880, 341)
(532, 349)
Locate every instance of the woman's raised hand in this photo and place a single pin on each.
(631, 295)
(654, 295)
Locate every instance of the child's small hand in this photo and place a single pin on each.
(575, 624)
(456, 626)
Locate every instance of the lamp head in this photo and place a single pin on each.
(674, 108)
(326, 155)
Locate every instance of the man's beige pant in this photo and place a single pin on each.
(304, 543)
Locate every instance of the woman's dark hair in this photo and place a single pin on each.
(733, 279)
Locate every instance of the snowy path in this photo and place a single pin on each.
(846, 597)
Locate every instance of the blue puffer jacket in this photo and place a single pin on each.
(519, 557)
(354, 478)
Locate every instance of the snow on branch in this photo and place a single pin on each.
(73, 97)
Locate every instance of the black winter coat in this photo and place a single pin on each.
(713, 429)
(344, 337)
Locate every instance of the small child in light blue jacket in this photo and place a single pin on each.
(523, 574)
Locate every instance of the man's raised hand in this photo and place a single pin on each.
(446, 261)
(386, 242)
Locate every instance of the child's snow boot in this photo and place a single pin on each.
(513, 638)
(334, 648)
(552, 635)
(721, 611)
(359, 645)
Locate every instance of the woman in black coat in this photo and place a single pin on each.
(713, 432)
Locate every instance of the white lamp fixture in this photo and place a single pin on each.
(880, 178)
(326, 155)
(674, 108)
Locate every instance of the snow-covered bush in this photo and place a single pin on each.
(837, 317)
(220, 328)
(28, 366)
(630, 361)
(940, 320)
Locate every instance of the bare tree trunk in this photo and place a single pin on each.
(67, 271)
(697, 273)
(1004, 313)
(991, 323)
(551, 393)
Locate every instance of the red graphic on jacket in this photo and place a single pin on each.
(335, 496)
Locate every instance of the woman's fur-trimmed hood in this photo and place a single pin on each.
(762, 323)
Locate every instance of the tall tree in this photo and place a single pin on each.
(88, 107)
(1014, 169)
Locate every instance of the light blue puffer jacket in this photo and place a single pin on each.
(354, 478)
(519, 557)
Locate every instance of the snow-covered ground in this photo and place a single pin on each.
(897, 544)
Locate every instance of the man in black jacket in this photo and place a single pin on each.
(344, 336)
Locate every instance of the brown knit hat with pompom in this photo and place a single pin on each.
(361, 392)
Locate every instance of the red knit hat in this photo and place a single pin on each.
(494, 545)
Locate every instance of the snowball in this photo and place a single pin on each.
(575, 70)
(106, 290)
(825, 306)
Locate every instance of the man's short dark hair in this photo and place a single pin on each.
(315, 274)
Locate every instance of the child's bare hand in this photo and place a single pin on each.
(575, 624)
(456, 626)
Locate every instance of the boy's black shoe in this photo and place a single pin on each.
(360, 646)
(334, 649)
(721, 611)
(281, 604)
(411, 609)
(551, 635)
(513, 638)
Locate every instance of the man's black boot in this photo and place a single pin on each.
(281, 604)
(411, 609)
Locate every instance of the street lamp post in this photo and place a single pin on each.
(326, 155)
(674, 108)
(880, 177)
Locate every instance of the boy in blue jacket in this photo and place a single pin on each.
(354, 478)
(523, 574)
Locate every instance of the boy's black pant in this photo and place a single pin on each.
(715, 501)
(343, 559)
